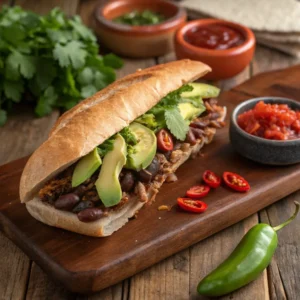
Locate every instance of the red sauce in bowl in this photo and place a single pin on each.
(271, 121)
(214, 36)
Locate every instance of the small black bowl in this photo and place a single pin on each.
(270, 152)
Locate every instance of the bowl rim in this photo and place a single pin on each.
(246, 45)
(257, 138)
(166, 25)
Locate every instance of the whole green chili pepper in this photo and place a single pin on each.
(252, 255)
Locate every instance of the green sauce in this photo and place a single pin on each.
(140, 18)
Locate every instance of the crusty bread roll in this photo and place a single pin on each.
(91, 122)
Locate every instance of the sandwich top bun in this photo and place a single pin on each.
(91, 122)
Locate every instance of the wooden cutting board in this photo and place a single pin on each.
(86, 264)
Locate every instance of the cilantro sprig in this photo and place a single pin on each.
(167, 113)
(51, 60)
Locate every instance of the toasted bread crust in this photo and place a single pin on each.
(91, 122)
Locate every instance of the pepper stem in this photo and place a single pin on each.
(290, 219)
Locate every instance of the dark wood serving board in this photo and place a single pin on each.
(87, 264)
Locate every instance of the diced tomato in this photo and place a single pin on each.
(271, 121)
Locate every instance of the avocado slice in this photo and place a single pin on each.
(202, 90)
(86, 167)
(145, 149)
(189, 111)
(107, 184)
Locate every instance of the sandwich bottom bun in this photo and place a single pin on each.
(105, 226)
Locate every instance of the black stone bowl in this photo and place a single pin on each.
(269, 152)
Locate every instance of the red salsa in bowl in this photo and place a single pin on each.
(271, 121)
(214, 37)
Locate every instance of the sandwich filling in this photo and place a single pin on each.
(137, 160)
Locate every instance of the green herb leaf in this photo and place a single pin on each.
(72, 53)
(3, 117)
(105, 147)
(45, 103)
(148, 120)
(86, 76)
(112, 60)
(176, 123)
(42, 52)
(88, 91)
(13, 90)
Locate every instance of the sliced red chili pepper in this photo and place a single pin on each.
(197, 191)
(211, 179)
(190, 205)
(236, 182)
(164, 140)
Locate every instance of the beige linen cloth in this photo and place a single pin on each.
(276, 23)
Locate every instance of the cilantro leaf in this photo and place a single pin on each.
(45, 73)
(88, 91)
(17, 62)
(46, 102)
(176, 123)
(3, 117)
(72, 53)
(86, 76)
(112, 60)
(82, 30)
(13, 90)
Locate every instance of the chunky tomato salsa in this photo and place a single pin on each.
(271, 121)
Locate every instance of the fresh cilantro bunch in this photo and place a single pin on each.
(49, 60)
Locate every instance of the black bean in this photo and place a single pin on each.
(190, 137)
(214, 115)
(153, 168)
(66, 202)
(83, 205)
(197, 132)
(199, 124)
(168, 155)
(90, 214)
(79, 191)
(145, 176)
(127, 181)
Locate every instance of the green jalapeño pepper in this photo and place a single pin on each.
(252, 255)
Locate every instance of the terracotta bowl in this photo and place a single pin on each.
(224, 63)
(138, 41)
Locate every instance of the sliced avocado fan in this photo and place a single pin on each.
(86, 167)
(108, 185)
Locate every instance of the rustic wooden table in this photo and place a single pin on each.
(177, 276)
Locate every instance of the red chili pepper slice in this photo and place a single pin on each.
(195, 206)
(236, 182)
(164, 140)
(197, 191)
(211, 179)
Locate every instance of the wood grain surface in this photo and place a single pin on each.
(154, 235)
(172, 278)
